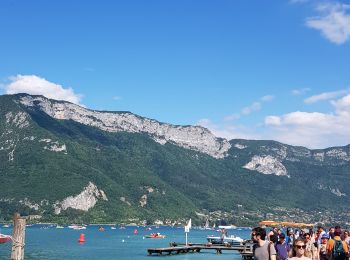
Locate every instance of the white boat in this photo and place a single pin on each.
(225, 239)
(228, 227)
(77, 227)
(58, 226)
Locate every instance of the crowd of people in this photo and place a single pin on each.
(301, 244)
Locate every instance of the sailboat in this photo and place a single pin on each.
(207, 225)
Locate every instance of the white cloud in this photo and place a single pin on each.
(298, 92)
(313, 119)
(272, 120)
(232, 117)
(309, 129)
(342, 105)
(313, 129)
(333, 22)
(325, 96)
(230, 131)
(256, 106)
(34, 85)
(267, 98)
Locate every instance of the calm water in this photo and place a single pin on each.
(52, 243)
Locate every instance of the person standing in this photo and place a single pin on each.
(273, 235)
(331, 232)
(263, 249)
(321, 232)
(336, 248)
(282, 248)
(322, 249)
(347, 238)
(298, 250)
(311, 249)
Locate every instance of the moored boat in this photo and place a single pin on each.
(77, 227)
(155, 235)
(101, 229)
(4, 238)
(58, 226)
(224, 238)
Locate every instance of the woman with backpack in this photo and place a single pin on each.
(336, 248)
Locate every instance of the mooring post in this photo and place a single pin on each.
(19, 226)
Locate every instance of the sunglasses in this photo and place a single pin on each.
(301, 247)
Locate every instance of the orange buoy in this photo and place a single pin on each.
(81, 238)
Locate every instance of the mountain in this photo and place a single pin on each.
(65, 163)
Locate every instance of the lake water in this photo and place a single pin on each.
(52, 243)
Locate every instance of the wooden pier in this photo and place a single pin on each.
(245, 249)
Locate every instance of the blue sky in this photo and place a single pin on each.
(256, 69)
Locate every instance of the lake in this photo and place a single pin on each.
(52, 243)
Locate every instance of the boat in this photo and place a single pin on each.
(4, 238)
(227, 227)
(101, 229)
(155, 235)
(206, 226)
(77, 227)
(58, 226)
(224, 238)
(272, 223)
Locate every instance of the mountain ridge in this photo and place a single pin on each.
(199, 138)
(53, 167)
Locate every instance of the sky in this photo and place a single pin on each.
(262, 70)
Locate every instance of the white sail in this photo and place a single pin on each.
(188, 226)
(207, 224)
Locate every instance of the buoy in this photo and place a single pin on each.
(123, 240)
(135, 232)
(81, 238)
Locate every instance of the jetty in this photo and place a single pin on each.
(245, 249)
